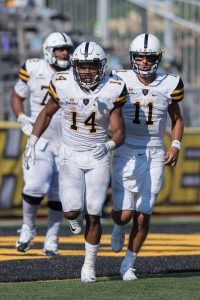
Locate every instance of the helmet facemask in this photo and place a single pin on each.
(155, 59)
(89, 80)
(60, 63)
(88, 58)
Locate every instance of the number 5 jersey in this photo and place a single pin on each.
(145, 112)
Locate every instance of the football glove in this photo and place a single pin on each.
(100, 150)
(29, 153)
(25, 124)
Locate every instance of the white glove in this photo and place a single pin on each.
(29, 153)
(25, 123)
(100, 150)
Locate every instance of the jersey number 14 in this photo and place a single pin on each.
(90, 121)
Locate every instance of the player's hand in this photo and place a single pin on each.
(29, 153)
(25, 124)
(171, 157)
(100, 150)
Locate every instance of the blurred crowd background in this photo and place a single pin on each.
(24, 24)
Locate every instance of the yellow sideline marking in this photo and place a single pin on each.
(155, 245)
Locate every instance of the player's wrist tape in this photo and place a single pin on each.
(111, 145)
(32, 140)
(177, 144)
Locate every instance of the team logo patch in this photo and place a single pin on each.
(86, 101)
(145, 92)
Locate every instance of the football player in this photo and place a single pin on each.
(42, 178)
(89, 101)
(138, 165)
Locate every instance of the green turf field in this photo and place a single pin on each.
(176, 286)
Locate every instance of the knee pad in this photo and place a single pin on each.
(55, 205)
(32, 200)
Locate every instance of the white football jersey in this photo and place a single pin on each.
(86, 115)
(146, 109)
(34, 78)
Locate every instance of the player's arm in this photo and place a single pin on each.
(18, 96)
(177, 134)
(20, 91)
(41, 124)
(17, 103)
(44, 117)
(46, 114)
(118, 135)
(117, 126)
(17, 106)
(117, 120)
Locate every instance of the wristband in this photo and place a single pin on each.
(32, 140)
(176, 144)
(111, 145)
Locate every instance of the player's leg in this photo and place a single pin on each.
(66, 156)
(146, 200)
(72, 189)
(144, 205)
(36, 185)
(127, 179)
(122, 213)
(30, 206)
(137, 237)
(55, 215)
(97, 182)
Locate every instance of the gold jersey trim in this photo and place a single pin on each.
(178, 91)
(121, 99)
(177, 97)
(24, 78)
(23, 72)
(52, 92)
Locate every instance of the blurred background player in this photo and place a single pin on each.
(138, 165)
(42, 178)
(89, 101)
